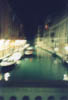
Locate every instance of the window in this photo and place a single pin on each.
(1, 98)
(63, 98)
(51, 98)
(13, 98)
(38, 98)
(26, 98)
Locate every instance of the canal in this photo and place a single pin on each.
(42, 66)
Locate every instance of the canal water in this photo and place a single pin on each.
(40, 66)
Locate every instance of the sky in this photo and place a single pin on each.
(34, 12)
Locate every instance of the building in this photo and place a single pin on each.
(9, 22)
(55, 34)
(3, 18)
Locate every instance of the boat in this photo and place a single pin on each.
(7, 63)
(26, 46)
(65, 59)
(12, 60)
(14, 57)
(4, 57)
(30, 48)
(27, 52)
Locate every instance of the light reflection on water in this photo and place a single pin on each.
(42, 66)
(54, 66)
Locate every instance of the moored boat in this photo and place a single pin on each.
(28, 52)
(7, 63)
(11, 60)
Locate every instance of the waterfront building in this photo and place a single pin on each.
(9, 22)
(10, 27)
(55, 34)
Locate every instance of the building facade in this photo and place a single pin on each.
(55, 35)
(9, 22)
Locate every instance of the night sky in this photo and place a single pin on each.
(34, 12)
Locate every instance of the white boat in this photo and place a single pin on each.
(7, 63)
(14, 57)
(12, 60)
(30, 48)
(26, 46)
(28, 52)
(4, 57)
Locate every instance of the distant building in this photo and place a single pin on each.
(9, 22)
(4, 19)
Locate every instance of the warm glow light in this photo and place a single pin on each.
(20, 42)
(7, 42)
(30, 59)
(12, 43)
(2, 44)
(46, 26)
(2, 40)
(65, 77)
(11, 46)
(0, 76)
(6, 76)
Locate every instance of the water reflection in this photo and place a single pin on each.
(5, 72)
(4, 76)
(54, 66)
(65, 77)
(40, 66)
(7, 69)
